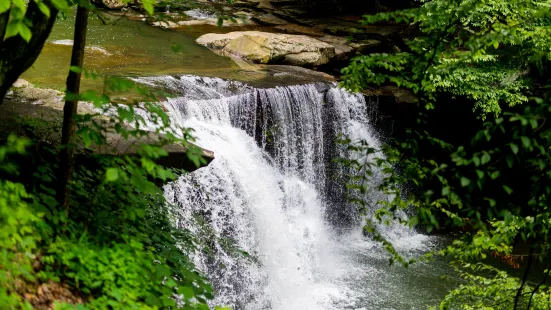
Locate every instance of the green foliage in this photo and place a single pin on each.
(18, 237)
(496, 290)
(481, 50)
(115, 246)
(494, 182)
(497, 189)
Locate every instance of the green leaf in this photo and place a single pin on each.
(4, 5)
(112, 174)
(534, 123)
(148, 6)
(187, 291)
(75, 69)
(510, 161)
(24, 32)
(480, 174)
(508, 189)
(43, 8)
(485, 158)
(61, 5)
(514, 148)
(525, 142)
(18, 3)
(465, 181)
(12, 29)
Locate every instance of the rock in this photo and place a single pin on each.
(21, 83)
(29, 102)
(339, 30)
(269, 19)
(246, 4)
(342, 48)
(401, 95)
(243, 14)
(286, 2)
(291, 12)
(298, 29)
(166, 24)
(199, 22)
(264, 47)
(342, 52)
(333, 40)
(193, 22)
(366, 47)
(265, 4)
(109, 4)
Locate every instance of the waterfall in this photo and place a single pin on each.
(275, 192)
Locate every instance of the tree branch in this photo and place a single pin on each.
(524, 278)
(538, 287)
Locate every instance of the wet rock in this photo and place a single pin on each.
(286, 2)
(291, 12)
(269, 19)
(166, 24)
(265, 4)
(342, 49)
(206, 21)
(264, 47)
(246, 4)
(400, 95)
(244, 14)
(366, 47)
(109, 4)
(298, 29)
(339, 30)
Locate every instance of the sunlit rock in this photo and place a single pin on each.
(263, 47)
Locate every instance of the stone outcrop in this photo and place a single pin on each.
(268, 48)
(25, 101)
(109, 4)
(269, 19)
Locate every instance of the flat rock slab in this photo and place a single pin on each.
(25, 101)
(241, 20)
(270, 48)
(298, 29)
(269, 19)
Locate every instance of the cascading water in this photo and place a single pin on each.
(275, 192)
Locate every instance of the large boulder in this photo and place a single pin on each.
(270, 48)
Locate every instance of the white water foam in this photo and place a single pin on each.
(94, 48)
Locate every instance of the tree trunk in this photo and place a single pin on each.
(70, 108)
(17, 55)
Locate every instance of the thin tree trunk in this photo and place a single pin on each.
(4, 19)
(525, 277)
(70, 109)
